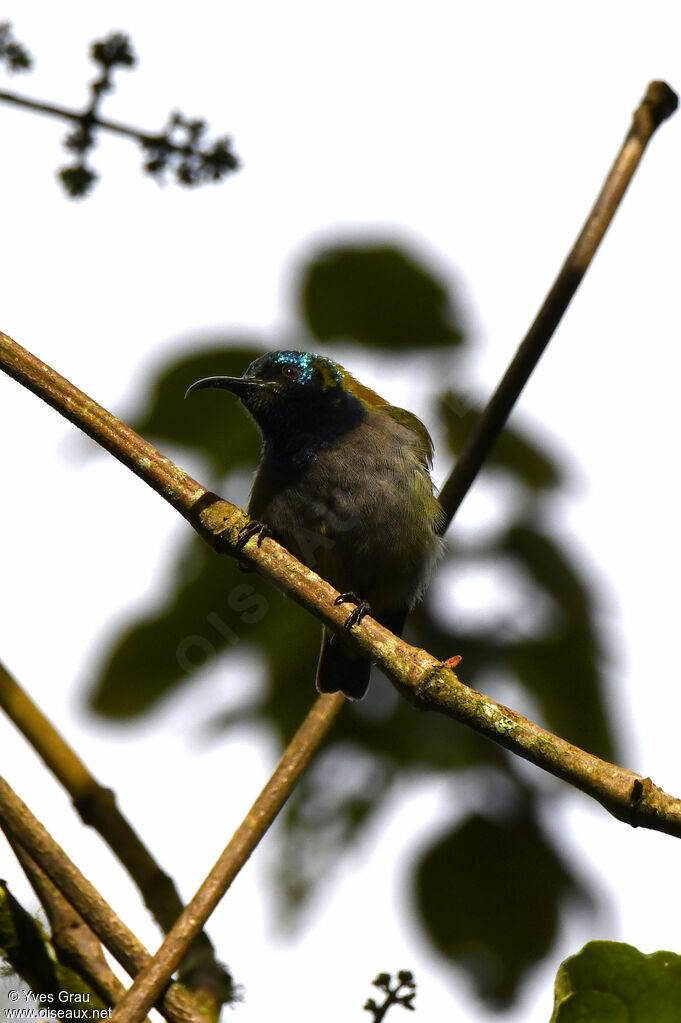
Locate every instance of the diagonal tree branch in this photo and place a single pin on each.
(659, 103)
(39, 106)
(427, 682)
(75, 944)
(305, 743)
(210, 982)
(177, 1005)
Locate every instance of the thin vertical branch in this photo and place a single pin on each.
(658, 104)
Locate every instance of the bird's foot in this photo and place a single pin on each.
(362, 609)
(452, 662)
(252, 528)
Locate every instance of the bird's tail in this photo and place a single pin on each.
(341, 670)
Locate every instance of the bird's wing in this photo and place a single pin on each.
(411, 422)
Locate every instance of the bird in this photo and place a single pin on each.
(344, 485)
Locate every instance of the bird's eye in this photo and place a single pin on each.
(290, 371)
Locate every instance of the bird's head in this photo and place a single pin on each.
(300, 401)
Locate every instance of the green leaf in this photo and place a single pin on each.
(490, 893)
(561, 667)
(378, 295)
(212, 421)
(610, 982)
(557, 658)
(212, 609)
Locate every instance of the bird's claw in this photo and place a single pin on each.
(362, 609)
(252, 528)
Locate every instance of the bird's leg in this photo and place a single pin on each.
(361, 610)
(252, 528)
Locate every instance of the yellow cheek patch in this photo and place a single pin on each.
(327, 376)
(360, 391)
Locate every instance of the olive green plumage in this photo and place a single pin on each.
(344, 485)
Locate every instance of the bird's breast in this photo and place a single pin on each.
(361, 513)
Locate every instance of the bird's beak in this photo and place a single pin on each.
(240, 386)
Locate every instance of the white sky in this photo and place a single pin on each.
(478, 132)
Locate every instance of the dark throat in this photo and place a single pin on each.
(297, 436)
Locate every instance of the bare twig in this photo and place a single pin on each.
(38, 106)
(97, 807)
(305, 743)
(659, 103)
(215, 162)
(182, 148)
(167, 479)
(13, 54)
(403, 993)
(176, 1005)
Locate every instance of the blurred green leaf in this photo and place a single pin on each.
(212, 422)
(558, 661)
(489, 894)
(561, 669)
(610, 982)
(213, 608)
(352, 780)
(524, 457)
(332, 804)
(377, 295)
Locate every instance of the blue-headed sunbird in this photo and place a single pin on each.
(344, 484)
